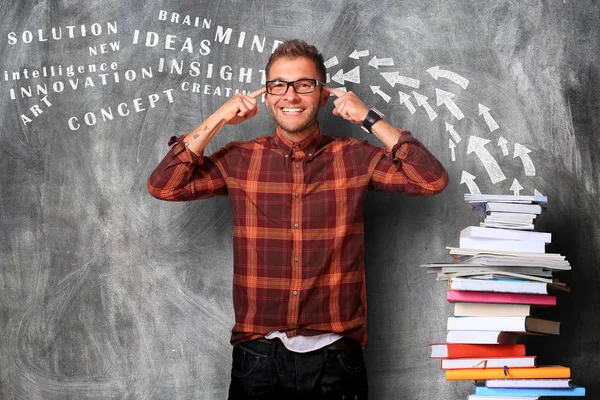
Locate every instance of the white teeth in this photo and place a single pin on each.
(291, 110)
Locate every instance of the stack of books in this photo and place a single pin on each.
(500, 275)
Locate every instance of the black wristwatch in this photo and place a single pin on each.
(373, 116)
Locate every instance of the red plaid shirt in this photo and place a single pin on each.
(298, 222)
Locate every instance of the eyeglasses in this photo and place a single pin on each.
(301, 86)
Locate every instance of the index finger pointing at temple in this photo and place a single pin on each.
(257, 93)
(335, 92)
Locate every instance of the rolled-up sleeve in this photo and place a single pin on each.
(185, 175)
(408, 168)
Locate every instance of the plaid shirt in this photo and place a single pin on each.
(298, 222)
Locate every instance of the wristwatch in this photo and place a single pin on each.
(373, 116)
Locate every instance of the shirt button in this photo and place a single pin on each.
(297, 166)
(296, 194)
(296, 258)
(287, 156)
(296, 225)
(295, 292)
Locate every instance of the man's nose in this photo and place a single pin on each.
(291, 94)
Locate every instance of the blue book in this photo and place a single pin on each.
(508, 392)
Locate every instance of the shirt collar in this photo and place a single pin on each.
(308, 145)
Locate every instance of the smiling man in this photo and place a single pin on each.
(297, 200)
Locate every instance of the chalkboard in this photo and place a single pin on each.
(106, 292)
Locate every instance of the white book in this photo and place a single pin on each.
(481, 337)
(502, 258)
(513, 207)
(508, 225)
(491, 310)
(517, 246)
(504, 234)
(554, 383)
(509, 215)
(479, 197)
(487, 362)
(443, 276)
(505, 324)
(529, 271)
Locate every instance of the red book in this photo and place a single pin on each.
(540, 300)
(456, 350)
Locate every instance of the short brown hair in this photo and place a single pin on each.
(296, 48)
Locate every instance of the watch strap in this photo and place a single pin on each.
(373, 116)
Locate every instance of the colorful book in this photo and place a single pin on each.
(505, 324)
(539, 300)
(487, 362)
(477, 397)
(456, 350)
(529, 383)
(481, 337)
(573, 391)
(491, 310)
(553, 371)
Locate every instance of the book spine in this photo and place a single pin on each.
(485, 391)
(504, 234)
(507, 373)
(482, 350)
(520, 246)
(540, 300)
(510, 324)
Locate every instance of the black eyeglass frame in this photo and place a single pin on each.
(291, 83)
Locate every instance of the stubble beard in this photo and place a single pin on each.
(298, 130)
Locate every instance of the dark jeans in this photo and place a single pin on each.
(270, 371)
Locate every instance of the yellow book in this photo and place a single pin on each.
(543, 372)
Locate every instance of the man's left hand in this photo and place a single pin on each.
(348, 106)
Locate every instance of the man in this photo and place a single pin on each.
(297, 202)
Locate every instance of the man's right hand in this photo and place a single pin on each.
(240, 107)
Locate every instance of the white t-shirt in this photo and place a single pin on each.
(304, 344)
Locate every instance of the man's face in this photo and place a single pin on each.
(295, 113)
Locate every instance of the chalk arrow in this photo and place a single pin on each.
(376, 62)
(477, 145)
(394, 77)
(358, 54)
(383, 95)
(492, 125)
(516, 187)
(453, 133)
(405, 99)
(502, 143)
(445, 98)
(422, 102)
(536, 193)
(331, 62)
(523, 152)
(436, 73)
(469, 180)
(350, 76)
(452, 147)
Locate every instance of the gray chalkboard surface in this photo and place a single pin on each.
(106, 292)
